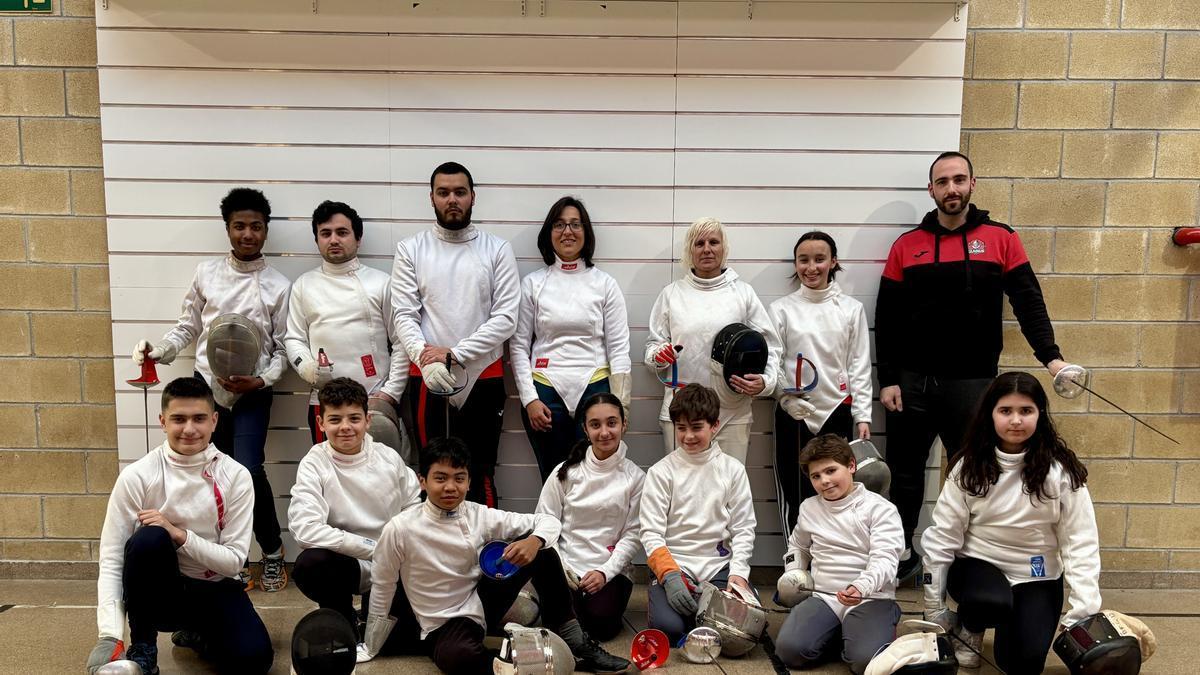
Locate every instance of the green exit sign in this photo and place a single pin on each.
(40, 6)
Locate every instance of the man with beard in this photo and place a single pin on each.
(456, 292)
(938, 332)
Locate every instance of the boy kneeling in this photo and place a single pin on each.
(693, 498)
(347, 488)
(853, 538)
(175, 537)
(441, 606)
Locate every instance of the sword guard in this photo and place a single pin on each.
(149, 376)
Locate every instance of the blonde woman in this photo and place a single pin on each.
(688, 314)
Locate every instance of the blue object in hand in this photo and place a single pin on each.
(492, 562)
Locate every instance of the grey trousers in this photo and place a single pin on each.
(811, 631)
(663, 617)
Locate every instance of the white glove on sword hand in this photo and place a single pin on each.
(163, 352)
(796, 407)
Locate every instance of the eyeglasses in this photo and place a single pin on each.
(574, 225)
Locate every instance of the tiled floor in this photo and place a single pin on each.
(50, 626)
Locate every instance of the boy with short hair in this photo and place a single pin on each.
(691, 500)
(175, 534)
(426, 580)
(242, 284)
(347, 488)
(853, 539)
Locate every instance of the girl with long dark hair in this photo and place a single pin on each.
(1013, 521)
(596, 494)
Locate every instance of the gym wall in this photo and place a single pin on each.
(798, 122)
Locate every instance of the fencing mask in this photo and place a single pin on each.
(234, 345)
(324, 642)
(739, 350)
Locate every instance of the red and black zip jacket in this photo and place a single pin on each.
(941, 300)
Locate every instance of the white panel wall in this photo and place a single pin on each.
(810, 115)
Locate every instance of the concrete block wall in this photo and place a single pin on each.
(1082, 116)
(1083, 119)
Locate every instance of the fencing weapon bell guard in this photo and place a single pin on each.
(870, 469)
(803, 389)
(793, 588)
(650, 649)
(1073, 380)
(1095, 646)
(233, 348)
(492, 562)
(324, 643)
(701, 645)
(119, 667)
(147, 379)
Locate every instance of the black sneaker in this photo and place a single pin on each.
(592, 658)
(908, 570)
(189, 639)
(145, 655)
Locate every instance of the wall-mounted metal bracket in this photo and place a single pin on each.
(541, 7)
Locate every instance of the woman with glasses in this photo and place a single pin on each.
(572, 337)
(686, 317)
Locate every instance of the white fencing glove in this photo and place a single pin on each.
(437, 377)
(376, 634)
(107, 650)
(163, 352)
(621, 385)
(793, 588)
(323, 376)
(796, 407)
(1133, 626)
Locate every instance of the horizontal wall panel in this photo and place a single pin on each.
(816, 206)
(613, 17)
(758, 95)
(854, 19)
(801, 169)
(868, 134)
(187, 199)
(452, 91)
(382, 128)
(820, 57)
(407, 53)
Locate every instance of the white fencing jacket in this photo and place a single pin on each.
(435, 554)
(346, 309)
(699, 506)
(208, 494)
(830, 329)
(227, 285)
(572, 322)
(690, 312)
(855, 540)
(1027, 539)
(341, 502)
(458, 289)
(599, 506)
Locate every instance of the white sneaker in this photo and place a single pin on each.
(966, 658)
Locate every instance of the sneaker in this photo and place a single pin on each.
(189, 639)
(967, 641)
(145, 655)
(909, 569)
(589, 655)
(246, 578)
(274, 576)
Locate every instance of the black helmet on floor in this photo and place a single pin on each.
(324, 643)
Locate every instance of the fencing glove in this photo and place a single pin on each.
(437, 377)
(904, 651)
(679, 596)
(798, 408)
(665, 355)
(163, 352)
(621, 385)
(1133, 626)
(107, 650)
(378, 630)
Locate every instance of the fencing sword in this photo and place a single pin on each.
(1072, 380)
(147, 379)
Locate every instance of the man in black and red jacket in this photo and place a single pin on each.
(938, 332)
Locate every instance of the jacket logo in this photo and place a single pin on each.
(976, 247)
(918, 254)
(541, 363)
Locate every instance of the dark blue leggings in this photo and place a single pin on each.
(159, 598)
(551, 447)
(241, 433)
